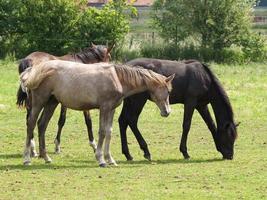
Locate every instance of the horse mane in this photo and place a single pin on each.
(221, 91)
(136, 76)
(91, 53)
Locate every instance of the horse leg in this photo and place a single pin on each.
(42, 125)
(205, 114)
(105, 127)
(61, 123)
(101, 137)
(123, 123)
(108, 130)
(141, 141)
(28, 110)
(189, 107)
(31, 122)
(88, 122)
(132, 108)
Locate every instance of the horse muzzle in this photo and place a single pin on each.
(228, 157)
(165, 113)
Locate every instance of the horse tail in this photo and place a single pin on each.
(22, 95)
(32, 77)
(24, 64)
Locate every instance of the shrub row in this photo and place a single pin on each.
(252, 53)
(59, 26)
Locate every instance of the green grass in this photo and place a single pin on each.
(75, 174)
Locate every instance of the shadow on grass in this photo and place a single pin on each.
(9, 156)
(172, 161)
(44, 167)
(83, 164)
(71, 164)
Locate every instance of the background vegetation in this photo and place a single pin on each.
(220, 30)
(59, 26)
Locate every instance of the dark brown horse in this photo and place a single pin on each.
(93, 54)
(195, 86)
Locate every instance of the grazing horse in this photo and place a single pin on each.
(83, 87)
(195, 86)
(93, 54)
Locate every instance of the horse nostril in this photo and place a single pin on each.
(165, 114)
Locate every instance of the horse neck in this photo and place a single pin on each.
(88, 57)
(132, 81)
(221, 107)
(69, 57)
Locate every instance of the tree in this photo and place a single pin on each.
(107, 25)
(48, 24)
(59, 26)
(9, 23)
(214, 24)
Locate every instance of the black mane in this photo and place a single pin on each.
(221, 91)
(91, 53)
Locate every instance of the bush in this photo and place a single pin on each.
(254, 48)
(221, 27)
(171, 52)
(59, 26)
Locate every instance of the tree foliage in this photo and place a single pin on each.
(109, 24)
(59, 26)
(213, 24)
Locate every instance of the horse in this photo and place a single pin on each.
(93, 54)
(195, 86)
(100, 86)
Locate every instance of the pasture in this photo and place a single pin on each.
(74, 174)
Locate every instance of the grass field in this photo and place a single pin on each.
(75, 174)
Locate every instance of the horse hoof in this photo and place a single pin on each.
(27, 163)
(48, 160)
(113, 164)
(129, 157)
(103, 165)
(185, 154)
(57, 151)
(148, 157)
(34, 154)
(186, 157)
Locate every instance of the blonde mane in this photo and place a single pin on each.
(138, 76)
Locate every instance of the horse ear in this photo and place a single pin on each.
(110, 47)
(170, 78)
(93, 45)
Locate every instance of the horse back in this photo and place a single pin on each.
(82, 86)
(37, 57)
(191, 78)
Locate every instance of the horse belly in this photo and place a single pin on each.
(75, 99)
(83, 91)
(76, 103)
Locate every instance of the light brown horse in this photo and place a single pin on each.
(82, 87)
(93, 54)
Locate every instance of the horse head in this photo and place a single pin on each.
(102, 51)
(160, 95)
(227, 135)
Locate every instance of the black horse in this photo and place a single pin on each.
(195, 86)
